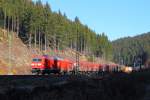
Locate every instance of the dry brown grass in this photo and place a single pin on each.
(20, 57)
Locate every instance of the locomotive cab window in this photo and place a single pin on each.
(36, 60)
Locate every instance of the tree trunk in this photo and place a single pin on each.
(71, 44)
(4, 34)
(12, 22)
(5, 20)
(41, 43)
(45, 43)
(12, 28)
(81, 44)
(8, 25)
(17, 26)
(39, 39)
(55, 45)
(35, 39)
(84, 45)
(30, 42)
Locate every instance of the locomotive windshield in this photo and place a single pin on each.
(36, 60)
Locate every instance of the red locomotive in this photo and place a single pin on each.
(49, 64)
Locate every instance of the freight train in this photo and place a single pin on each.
(52, 64)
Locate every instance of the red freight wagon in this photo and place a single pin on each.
(88, 66)
(65, 65)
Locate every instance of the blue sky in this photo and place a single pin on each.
(117, 18)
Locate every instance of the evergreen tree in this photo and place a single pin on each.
(39, 27)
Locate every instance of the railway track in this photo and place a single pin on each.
(66, 87)
(37, 80)
(30, 82)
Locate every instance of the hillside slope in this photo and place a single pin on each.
(15, 58)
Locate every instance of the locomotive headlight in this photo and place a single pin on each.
(39, 64)
(32, 64)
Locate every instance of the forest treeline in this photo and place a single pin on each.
(132, 51)
(39, 27)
